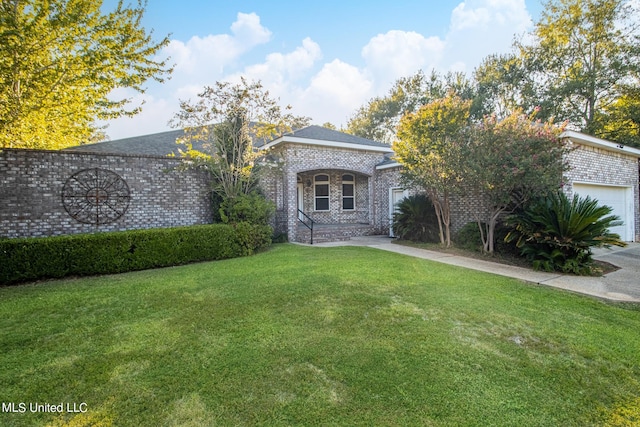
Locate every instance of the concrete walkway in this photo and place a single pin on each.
(620, 285)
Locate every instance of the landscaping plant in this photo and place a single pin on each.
(556, 233)
(416, 219)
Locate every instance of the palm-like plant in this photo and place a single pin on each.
(416, 219)
(556, 233)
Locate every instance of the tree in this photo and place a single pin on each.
(429, 147)
(60, 61)
(503, 85)
(225, 119)
(620, 121)
(583, 52)
(379, 118)
(508, 162)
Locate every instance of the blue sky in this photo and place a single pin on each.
(325, 59)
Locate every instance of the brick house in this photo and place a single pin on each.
(346, 184)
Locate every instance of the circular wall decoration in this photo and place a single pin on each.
(95, 196)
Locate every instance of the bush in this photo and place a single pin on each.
(117, 252)
(468, 237)
(252, 208)
(416, 220)
(556, 233)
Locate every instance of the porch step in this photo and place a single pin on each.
(323, 233)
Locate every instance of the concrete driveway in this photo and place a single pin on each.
(626, 280)
(620, 285)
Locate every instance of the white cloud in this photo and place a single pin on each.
(202, 56)
(479, 28)
(334, 90)
(248, 31)
(279, 67)
(397, 54)
(334, 93)
(487, 14)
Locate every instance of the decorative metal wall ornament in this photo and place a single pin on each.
(95, 196)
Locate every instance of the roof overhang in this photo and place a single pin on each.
(592, 141)
(390, 165)
(320, 142)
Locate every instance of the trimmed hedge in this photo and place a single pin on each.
(118, 252)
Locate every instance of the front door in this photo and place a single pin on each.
(395, 196)
(300, 195)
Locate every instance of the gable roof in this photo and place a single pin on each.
(318, 135)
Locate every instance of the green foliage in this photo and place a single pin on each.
(116, 252)
(252, 236)
(379, 119)
(620, 121)
(416, 219)
(509, 162)
(241, 112)
(503, 86)
(250, 215)
(468, 237)
(556, 233)
(579, 65)
(60, 61)
(583, 50)
(252, 208)
(429, 147)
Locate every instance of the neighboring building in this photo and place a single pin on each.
(349, 185)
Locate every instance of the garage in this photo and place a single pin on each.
(617, 197)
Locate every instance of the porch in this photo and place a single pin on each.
(336, 201)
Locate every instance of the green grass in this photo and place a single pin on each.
(317, 336)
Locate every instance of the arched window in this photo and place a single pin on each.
(348, 192)
(321, 192)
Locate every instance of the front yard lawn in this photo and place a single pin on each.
(315, 336)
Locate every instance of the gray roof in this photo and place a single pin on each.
(326, 134)
(157, 144)
(388, 160)
(164, 143)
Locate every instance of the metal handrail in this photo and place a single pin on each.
(310, 225)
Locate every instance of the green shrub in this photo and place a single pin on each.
(468, 237)
(556, 234)
(252, 236)
(117, 252)
(416, 220)
(252, 208)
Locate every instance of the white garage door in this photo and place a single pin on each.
(619, 198)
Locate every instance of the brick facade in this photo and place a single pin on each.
(32, 181)
(604, 167)
(300, 163)
(31, 184)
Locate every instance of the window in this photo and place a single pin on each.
(348, 193)
(321, 188)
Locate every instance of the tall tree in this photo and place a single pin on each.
(503, 85)
(59, 63)
(583, 51)
(225, 119)
(510, 161)
(379, 118)
(430, 148)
